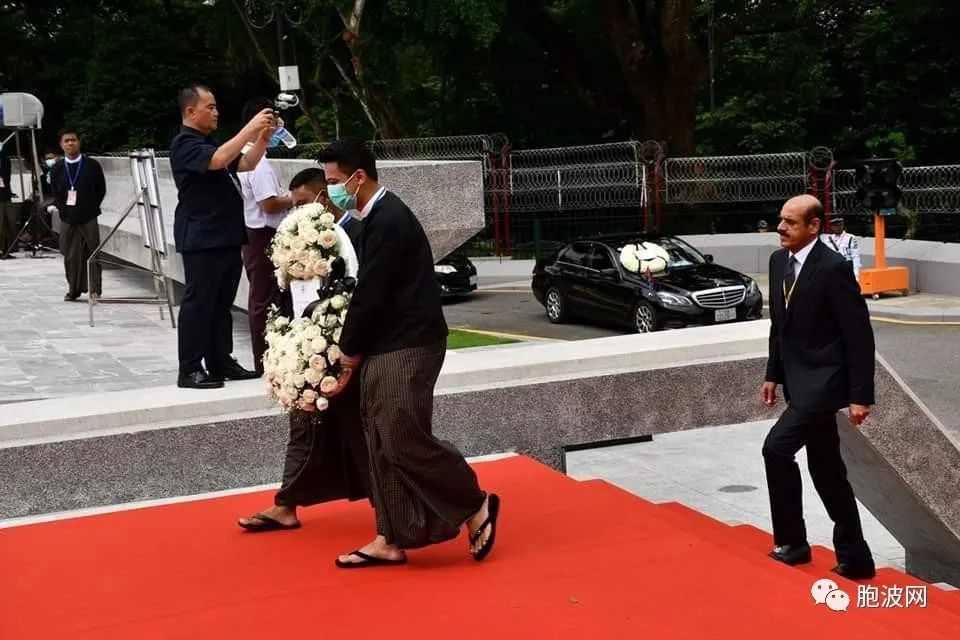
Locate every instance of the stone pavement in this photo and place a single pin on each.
(48, 348)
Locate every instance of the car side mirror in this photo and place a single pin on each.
(708, 257)
(611, 273)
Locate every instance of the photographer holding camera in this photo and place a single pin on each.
(209, 231)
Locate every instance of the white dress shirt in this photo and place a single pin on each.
(367, 207)
(255, 187)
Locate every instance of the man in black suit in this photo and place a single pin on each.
(422, 488)
(822, 352)
(209, 229)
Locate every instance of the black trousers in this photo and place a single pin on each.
(818, 433)
(205, 327)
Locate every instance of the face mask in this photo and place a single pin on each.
(340, 196)
(50, 162)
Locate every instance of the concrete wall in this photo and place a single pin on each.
(446, 196)
(934, 266)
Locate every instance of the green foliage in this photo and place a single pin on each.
(864, 77)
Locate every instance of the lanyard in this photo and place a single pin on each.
(345, 218)
(73, 179)
(788, 294)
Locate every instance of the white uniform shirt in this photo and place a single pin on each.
(847, 246)
(256, 186)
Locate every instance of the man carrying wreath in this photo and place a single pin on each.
(422, 489)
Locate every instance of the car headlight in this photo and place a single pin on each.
(673, 299)
(444, 268)
(752, 288)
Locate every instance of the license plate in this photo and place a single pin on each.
(725, 315)
(473, 280)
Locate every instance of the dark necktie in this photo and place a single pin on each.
(789, 278)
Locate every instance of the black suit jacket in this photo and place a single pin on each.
(354, 227)
(396, 304)
(822, 346)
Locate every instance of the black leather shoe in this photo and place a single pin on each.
(198, 380)
(233, 371)
(792, 554)
(855, 571)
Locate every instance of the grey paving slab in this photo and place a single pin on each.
(719, 471)
(48, 348)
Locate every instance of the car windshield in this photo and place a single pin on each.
(681, 254)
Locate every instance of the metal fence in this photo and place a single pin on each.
(536, 197)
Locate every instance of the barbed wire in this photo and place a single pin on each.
(712, 179)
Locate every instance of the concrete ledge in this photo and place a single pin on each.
(533, 399)
(447, 197)
(512, 365)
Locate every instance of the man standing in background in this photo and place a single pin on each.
(78, 189)
(845, 244)
(209, 230)
(264, 207)
(8, 220)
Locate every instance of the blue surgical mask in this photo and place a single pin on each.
(50, 162)
(340, 196)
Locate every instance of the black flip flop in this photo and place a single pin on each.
(493, 510)
(369, 561)
(269, 524)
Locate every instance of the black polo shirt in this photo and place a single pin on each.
(209, 211)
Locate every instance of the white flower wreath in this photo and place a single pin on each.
(302, 362)
(307, 242)
(643, 257)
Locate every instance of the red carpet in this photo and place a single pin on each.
(573, 560)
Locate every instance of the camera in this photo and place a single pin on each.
(285, 101)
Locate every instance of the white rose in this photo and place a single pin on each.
(333, 353)
(322, 404)
(309, 396)
(328, 384)
(326, 219)
(330, 321)
(338, 302)
(319, 345)
(317, 363)
(298, 380)
(313, 376)
(311, 235)
(328, 239)
(298, 244)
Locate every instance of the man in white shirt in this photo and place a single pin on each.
(845, 244)
(264, 207)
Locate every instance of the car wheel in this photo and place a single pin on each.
(644, 318)
(555, 305)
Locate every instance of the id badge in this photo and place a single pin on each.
(72, 198)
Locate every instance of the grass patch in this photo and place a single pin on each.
(461, 339)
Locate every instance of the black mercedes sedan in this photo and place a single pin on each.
(456, 275)
(587, 280)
